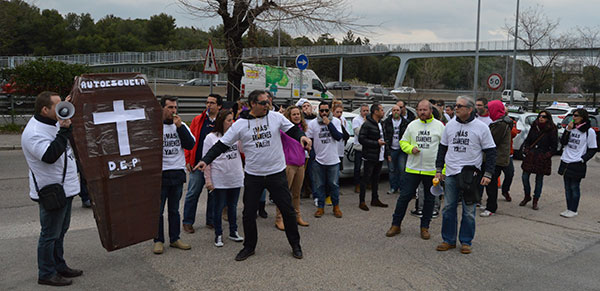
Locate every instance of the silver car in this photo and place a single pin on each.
(524, 122)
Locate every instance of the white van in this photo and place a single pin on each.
(519, 96)
(282, 82)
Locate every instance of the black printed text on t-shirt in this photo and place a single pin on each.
(460, 141)
(325, 135)
(171, 143)
(423, 139)
(261, 136)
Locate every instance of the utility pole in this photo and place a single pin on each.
(475, 77)
(514, 64)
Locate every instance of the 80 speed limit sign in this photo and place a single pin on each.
(494, 81)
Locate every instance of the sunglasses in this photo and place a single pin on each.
(263, 103)
(576, 115)
(544, 116)
(323, 110)
(460, 106)
(401, 107)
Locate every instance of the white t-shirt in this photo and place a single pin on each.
(578, 144)
(35, 140)
(356, 123)
(485, 119)
(326, 148)
(340, 143)
(396, 137)
(226, 170)
(261, 141)
(466, 143)
(382, 148)
(173, 155)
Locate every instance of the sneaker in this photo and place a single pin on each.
(482, 207)
(417, 213)
(435, 214)
(234, 236)
(564, 212)
(570, 214)
(316, 202)
(392, 191)
(486, 213)
(219, 241)
(86, 204)
(328, 201)
(158, 248)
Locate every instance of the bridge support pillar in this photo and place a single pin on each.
(341, 68)
(401, 70)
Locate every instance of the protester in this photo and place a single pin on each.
(538, 148)
(357, 122)
(421, 142)
(176, 137)
(393, 129)
(338, 109)
(51, 162)
(439, 107)
(509, 171)
(307, 185)
(406, 114)
(295, 158)
(224, 177)
(483, 114)
(259, 132)
(580, 145)
(449, 112)
(371, 139)
(326, 131)
(201, 126)
(500, 128)
(463, 144)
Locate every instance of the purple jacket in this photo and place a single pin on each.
(293, 151)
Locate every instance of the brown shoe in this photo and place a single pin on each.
(279, 223)
(425, 233)
(507, 196)
(319, 212)
(535, 203)
(394, 230)
(465, 249)
(363, 206)
(301, 221)
(180, 245)
(158, 248)
(526, 199)
(444, 246)
(378, 203)
(357, 189)
(337, 212)
(188, 228)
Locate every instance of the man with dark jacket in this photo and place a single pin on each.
(373, 153)
(393, 129)
(501, 128)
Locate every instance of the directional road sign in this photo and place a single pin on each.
(302, 62)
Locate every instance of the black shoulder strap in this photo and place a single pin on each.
(63, 177)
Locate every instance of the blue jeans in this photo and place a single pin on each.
(195, 184)
(397, 168)
(412, 181)
(572, 192)
(327, 182)
(230, 198)
(173, 195)
(539, 182)
(54, 224)
(357, 165)
(509, 173)
(449, 215)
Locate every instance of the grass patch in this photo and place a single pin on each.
(11, 128)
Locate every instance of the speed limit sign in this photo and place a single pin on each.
(494, 81)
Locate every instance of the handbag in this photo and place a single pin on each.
(532, 159)
(52, 196)
(468, 183)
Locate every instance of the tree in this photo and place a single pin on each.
(589, 37)
(238, 16)
(160, 29)
(537, 31)
(591, 81)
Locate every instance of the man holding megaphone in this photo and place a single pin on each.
(420, 141)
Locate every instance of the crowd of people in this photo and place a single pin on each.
(463, 148)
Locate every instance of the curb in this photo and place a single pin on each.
(10, 148)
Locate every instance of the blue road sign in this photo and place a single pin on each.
(302, 62)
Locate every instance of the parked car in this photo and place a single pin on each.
(559, 110)
(197, 82)
(404, 90)
(348, 160)
(338, 86)
(575, 96)
(519, 96)
(374, 93)
(524, 122)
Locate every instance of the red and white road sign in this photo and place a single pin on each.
(494, 81)
(210, 63)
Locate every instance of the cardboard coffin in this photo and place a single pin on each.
(117, 129)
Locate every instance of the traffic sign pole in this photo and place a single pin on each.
(301, 64)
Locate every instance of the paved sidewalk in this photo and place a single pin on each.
(10, 142)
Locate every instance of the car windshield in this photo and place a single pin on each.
(361, 89)
(556, 111)
(569, 118)
(530, 119)
(349, 126)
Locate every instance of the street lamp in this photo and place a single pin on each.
(476, 52)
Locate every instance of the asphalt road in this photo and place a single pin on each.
(517, 249)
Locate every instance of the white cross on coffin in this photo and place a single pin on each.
(120, 116)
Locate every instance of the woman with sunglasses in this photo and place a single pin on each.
(538, 147)
(224, 177)
(580, 145)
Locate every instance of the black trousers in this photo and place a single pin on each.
(370, 175)
(280, 193)
(492, 191)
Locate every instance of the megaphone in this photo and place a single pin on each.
(65, 110)
(436, 189)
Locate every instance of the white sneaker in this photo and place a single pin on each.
(486, 213)
(316, 202)
(564, 213)
(570, 214)
(219, 241)
(482, 207)
(235, 237)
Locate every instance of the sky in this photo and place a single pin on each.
(393, 21)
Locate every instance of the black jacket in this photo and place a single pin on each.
(368, 137)
(388, 132)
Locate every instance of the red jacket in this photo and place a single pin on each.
(196, 127)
